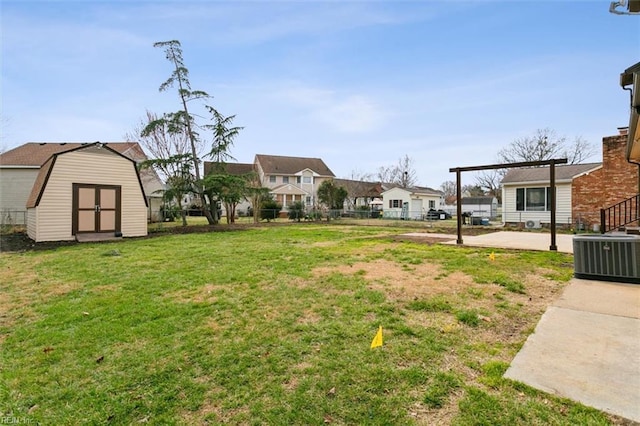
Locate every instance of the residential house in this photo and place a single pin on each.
(88, 189)
(19, 168)
(410, 203)
(292, 179)
(526, 194)
(480, 206)
(631, 78)
(615, 181)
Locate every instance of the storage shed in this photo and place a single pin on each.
(91, 189)
(480, 206)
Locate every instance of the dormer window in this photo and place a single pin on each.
(307, 179)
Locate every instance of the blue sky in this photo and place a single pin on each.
(356, 83)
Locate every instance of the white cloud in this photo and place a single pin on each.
(347, 113)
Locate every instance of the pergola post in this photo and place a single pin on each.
(459, 205)
(552, 178)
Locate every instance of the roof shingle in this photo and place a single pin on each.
(34, 154)
(281, 165)
(538, 174)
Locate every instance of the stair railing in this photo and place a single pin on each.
(623, 213)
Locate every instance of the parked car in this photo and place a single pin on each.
(437, 215)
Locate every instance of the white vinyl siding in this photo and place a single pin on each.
(395, 198)
(95, 167)
(32, 224)
(510, 214)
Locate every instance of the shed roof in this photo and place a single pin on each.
(34, 154)
(46, 168)
(537, 174)
(282, 165)
(478, 200)
(422, 190)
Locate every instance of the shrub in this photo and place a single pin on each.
(269, 210)
(296, 211)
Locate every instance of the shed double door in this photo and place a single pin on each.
(96, 208)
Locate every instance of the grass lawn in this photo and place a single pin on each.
(273, 325)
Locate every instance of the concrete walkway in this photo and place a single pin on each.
(509, 240)
(586, 347)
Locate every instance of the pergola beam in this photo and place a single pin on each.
(552, 177)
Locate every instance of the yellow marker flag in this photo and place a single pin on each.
(377, 341)
(492, 256)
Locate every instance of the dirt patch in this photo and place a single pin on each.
(400, 282)
(309, 317)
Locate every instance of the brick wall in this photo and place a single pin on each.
(615, 181)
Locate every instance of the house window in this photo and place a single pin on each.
(533, 199)
(272, 179)
(395, 204)
(306, 179)
(285, 179)
(308, 200)
(298, 179)
(432, 204)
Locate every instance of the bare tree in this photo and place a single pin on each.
(402, 173)
(361, 176)
(473, 191)
(579, 151)
(160, 143)
(545, 145)
(4, 125)
(490, 182)
(448, 189)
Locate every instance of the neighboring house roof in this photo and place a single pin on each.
(418, 190)
(34, 154)
(478, 200)
(237, 169)
(45, 172)
(358, 188)
(424, 190)
(281, 165)
(539, 174)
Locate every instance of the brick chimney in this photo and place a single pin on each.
(623, 131)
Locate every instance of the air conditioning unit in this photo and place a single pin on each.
(607, 257)
(532, 224)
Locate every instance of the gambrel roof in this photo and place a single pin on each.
(281, 165)
(34, 154)
(45, 171)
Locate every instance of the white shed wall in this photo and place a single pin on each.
(88, 166)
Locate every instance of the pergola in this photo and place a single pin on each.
(552, 178)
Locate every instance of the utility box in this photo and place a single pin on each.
(607, 257)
